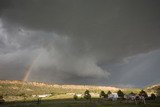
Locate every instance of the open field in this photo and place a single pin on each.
(80, 103)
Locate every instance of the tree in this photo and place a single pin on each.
(153, 96)
(143, 93)
(86, 92)
(109, 92)
(87, 95)
(132, 93)
(102, 94)
(75, 96)
(120, 94)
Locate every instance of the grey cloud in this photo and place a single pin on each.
(62, 61)
(107, 26)
(139, 70)
(50, 53)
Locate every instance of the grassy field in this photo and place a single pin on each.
(80, 103)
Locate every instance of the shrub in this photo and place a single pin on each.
(132, 93)
(87, 95)
(120, 94)
(75, 97)
(109, 92)
(143, 93)
(102, 94)
(153, 96)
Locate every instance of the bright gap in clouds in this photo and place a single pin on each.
(136, 71)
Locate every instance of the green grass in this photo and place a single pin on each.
(81, 103)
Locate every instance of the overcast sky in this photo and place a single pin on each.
(96, 42)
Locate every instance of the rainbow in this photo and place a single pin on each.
(29, 69)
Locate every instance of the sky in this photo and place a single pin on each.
(88, 42)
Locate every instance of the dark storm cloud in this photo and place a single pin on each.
(79, 38)
(133, 25)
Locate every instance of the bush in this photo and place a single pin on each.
(87, 95)
(109, 92)
(143, 93)
(120, 94)
(132, 93)
(86, 92)
(102, 94)
(75, 97)
(153, 96)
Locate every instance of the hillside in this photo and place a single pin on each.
(154, 88)
(19, 88)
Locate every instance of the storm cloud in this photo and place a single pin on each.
(80, 42)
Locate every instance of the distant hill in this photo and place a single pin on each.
(17, 88)
(154, 88)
